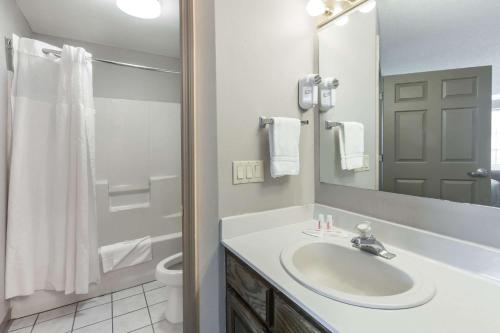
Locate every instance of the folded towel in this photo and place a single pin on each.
(125, 254)
(284, 140)
(352, 145)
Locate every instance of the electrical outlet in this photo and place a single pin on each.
(245, 172)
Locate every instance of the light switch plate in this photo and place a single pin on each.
(245, 172)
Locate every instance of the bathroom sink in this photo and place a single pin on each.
(355, 277)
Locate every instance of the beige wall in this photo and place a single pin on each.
(263, 48)
(11, 21)
(209, 253)
(248, 58)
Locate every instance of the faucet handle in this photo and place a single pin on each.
(364, 229)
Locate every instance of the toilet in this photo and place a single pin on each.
(169, 272)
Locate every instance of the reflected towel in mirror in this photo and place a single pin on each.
(352, 145)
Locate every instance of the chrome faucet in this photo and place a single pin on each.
(368, 243)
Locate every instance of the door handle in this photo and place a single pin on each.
(479, 173)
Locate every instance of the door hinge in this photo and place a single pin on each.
(381, 96)
(381, 158)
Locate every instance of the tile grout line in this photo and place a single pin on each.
(112, 314)
(149, 313)
(20, 328)
(33, 327)
(67, 314)
(97, 322)
(75, 311)
(140, 328)
(74, 318)
(90, 307)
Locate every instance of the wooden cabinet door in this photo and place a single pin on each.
(289, 320)
(250, 287)
(239, 318)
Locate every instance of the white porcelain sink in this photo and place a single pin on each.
(355, 277)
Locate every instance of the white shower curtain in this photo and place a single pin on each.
(52, 224)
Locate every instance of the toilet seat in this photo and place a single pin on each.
(164, 273)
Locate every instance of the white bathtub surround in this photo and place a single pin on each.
(138, 149)
(465, 300)
(52, 224)
(125, 254)
(122, 311)
(284, 143)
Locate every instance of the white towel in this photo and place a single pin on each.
(125, 254)
(284, 140)
(352, 145)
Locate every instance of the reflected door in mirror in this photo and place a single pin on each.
(437, 130)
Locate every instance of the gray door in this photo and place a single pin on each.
(437, 129)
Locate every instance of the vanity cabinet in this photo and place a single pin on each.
(287, 319)
(254, 306)
(240, 318)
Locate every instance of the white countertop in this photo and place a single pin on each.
(464, 301)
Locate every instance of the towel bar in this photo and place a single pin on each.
(331, 124)
(263, 121)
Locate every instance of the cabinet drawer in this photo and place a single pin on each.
(250, 287)
(239, 318)
(289, 320)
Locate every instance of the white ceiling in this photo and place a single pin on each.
(425, 35)
(101, 22)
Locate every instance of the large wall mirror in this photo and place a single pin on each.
(417, 107)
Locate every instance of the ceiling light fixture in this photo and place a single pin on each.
(145, 9)
(367, 6)
(317, 8)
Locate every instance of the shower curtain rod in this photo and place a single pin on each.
(8, 46)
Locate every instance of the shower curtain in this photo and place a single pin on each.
(52, 224)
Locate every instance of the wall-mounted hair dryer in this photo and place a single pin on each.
(308, 91)
(327, 89)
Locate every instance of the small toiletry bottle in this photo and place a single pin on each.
(321, 221)
(329, 223)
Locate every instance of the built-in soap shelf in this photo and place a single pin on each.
(118, 189)
(125, 197)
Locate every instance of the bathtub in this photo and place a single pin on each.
(163, 246)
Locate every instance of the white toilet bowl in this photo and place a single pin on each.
(169, 272)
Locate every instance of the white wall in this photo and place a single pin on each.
(11, 21)
(429, 35)
(124, 82)
(349, 53)
(263, 49)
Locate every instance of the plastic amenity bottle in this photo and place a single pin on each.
(321, 221)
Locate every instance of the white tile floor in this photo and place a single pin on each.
(138, 309)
